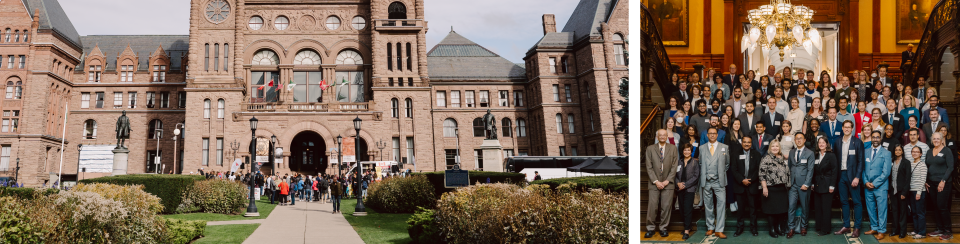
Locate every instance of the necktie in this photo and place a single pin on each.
(711, 149)
(874, 152)
(891, 118)
(832, 124)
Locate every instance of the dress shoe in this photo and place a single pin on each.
(709, 233)
(773, 233)
(892, 232)
(842, 231)
(820, 233)
(871, 232)
(790, 234)
(721, 235)
(663, 233)
(754, 232)
(856, 233)
(880, 236)
(738, 232)
(902, 235)
(686, 236)
(648, 234)
(803, 232)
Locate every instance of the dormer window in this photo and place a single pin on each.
(94, 73)
(159, 73)
(126, 73)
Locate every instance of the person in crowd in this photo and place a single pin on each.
(674, 80)
(715, 108)
(269, 186)
(850, 151)
(899, 192)
(890, 140)
(786, 138)
(782, 106)
(702, 119)
(862, 117)
(812, 133)
(725, 119)
(662, 159)
(827, 89)
(776, 80)
(845, 90)
(748, 118)
(775, 180)
(672, 137)
(714, 123)
(886, 93)
(934, 122)
(687, 110)
(913, 140)
(939, 160)
(853, 105)
(691, 137)
(934, 102)
(336, 191)
(681, 94)
(876, 172)
(863, 88)
(816, 111)
(738, 102)
(787, 90)
(832, 126)
(752, 78)
(876, 102)
(746, 175)
(734, 136)
(831, 103)
(912, 124)
(673, 108)
(680, 122)
(948, 139)
(771, 74)
(772, 119)
(811, 90)
(842, 113)
(719, 85)
(795, 115)
(714, 161)
(918, 191)
(731, 78)
(747, 88)
(284, 191)
(695, 79)
(825, 182)
(876, 123)
(688, 177)
(909, 107)
(765, 88)
(801, 164)
(882, 72)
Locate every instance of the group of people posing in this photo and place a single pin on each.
(780, 148)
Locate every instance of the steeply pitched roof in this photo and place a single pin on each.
(555, 39)
(176, 46)
(586, 18)
(53, 17)
(458, 57)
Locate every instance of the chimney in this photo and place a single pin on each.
(549, 24)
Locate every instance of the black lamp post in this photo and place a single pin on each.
(359, 210)
(252, 207)
(79, 148)
(16, 176)
(273, 151)
(339, 156)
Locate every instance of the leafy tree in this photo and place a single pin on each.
(624, 121)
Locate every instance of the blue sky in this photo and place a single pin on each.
(506, 27)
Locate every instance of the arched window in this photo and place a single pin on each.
(216, 56)
(478, 130)
(14, 89)
(263, 87)
(506, 126)
(559, 123)
(90, 129)
(220, 105)
(570, 123)
(206, 108)
(307, 57)
(265, 57)
(521, 128)
(408, 108)
(7, 38)
(16, 36)
(394, 111)
(307, 88)
(206, 57)
(155, 129)
(351, 84)
(397, 10)
(449, 128)
(618, 49)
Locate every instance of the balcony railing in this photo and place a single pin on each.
(306, 107)
(353, 107)
(310, 107)
(260, 107)
(398, 24)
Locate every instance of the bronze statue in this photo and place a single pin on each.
(490, 125)
(123, 129)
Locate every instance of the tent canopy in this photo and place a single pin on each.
(580, 166)
(605, 166)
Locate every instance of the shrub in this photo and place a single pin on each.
(17, 225)
(26, 193)
(436, 178)
(401, 194)
(120, 214)
(214, 196)
(183, 231)
(504, 213)
(613, 183)
(169, 188)
(422, 227)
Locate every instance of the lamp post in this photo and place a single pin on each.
(381, 145)
(79, 147)
(156, 158)
(176, 134)
(16, 176)
(252, 207)
(359, 210)
(273, 150)
(456, 158)
(339, 156)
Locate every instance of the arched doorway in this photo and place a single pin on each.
(307, 154)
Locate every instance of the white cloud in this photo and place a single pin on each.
(507, 27)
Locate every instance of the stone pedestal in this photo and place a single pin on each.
(492, 155)
(120, 156)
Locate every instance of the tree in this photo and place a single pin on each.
(624, 121)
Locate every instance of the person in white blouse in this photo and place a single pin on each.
(795, 116)
(786, 137)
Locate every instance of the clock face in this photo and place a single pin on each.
(217, 11)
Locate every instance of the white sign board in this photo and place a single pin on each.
(97, 158)
(263, 159)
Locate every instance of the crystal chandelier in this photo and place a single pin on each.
(785, 26)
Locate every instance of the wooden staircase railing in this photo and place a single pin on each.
(940, 30)
(653, 55)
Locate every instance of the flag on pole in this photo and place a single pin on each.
(323, 85)
(290, 85)
(260, 88)
(271, 83)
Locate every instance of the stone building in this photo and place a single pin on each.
(305, 70)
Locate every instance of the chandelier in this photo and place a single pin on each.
(785, 26)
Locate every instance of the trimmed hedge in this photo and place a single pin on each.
(401, 194)
(612, 183)
(436, 178)
(184, 231)
(26, 193)
(215, 196)
(170, 188)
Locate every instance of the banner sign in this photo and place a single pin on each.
(349, 150)
(263, 150)
(97, 158)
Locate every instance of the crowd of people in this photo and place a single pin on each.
(784, 143)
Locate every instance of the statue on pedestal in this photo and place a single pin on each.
(123, 129)
(490, 125)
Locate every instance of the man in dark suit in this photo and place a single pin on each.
(831, 126)
(731, 78)
(907, 55)
(894, 118)
(801, 175)
(748, 118)
(934, 102)
(882, 77)
(931, 126)
(681, 94)
(771, 120)
(762, 140)
(746, 174)
(921, 92)
(849, 149)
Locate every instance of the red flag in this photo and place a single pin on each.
(271, 83)
(260, 88)
(323, 85)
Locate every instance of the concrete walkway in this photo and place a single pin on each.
(306, 222)
(236, 222)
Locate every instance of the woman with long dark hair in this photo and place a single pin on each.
(899, 192)
(825, 180)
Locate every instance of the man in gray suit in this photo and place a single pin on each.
(748, 119)
(738, 102)
(714, 162)
(662, 159)
(801, 176)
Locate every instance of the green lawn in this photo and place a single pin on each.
(263, 207)
(222, 234)
(377, 227)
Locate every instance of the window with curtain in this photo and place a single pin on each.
(484, 99)
(442, 99)
(155, 129)
(449, 128)
(559, 123)
(165, 99)
(506, 126)
(566, 89)
(151, 97)
(206, 108)
(502, 98)
(478, 129)
(183, 99)
(518, 98)
(396, 149)
(394, 108)
(556, 93)
(455, 99)
(408, 108)
(553, 65)
(220, 107)
(100, 99)
(521, 128)
(14, 89)
(5, 158)
(89, 129)
(618, 49)
(205, 156)
(117, 99)
(133, 100)
(570, 124)
(469, 97)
